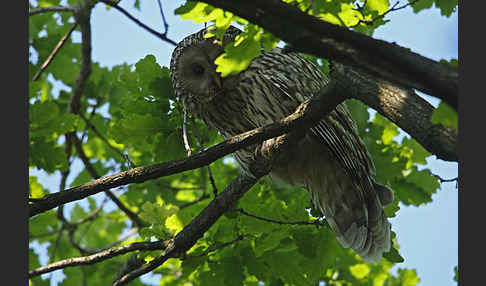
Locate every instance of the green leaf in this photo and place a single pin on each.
(267, 242)
(452, 62)
(162, 218)
(359, 113)
(445, 115)
(232, 271)
(43, 223)
(414, 151)
(393, 256)
(447, 7)
(240, 53)
(392, 209)
(157, 213)
(196, 11)
(35, 188)
(360, 271)
(390, 129)
(47, 156)
(456, 273)
(33, 259)
(381, 6)
(305, 241)
(415, 187)
(408, 277)
(285, 266)
(421, 5)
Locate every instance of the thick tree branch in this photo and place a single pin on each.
(51, 9)
(260, 166)
(185, 239)
(311, 35)
(308, 113)
(344, 82)
(83, 19)
(403, 107)
(99, 256)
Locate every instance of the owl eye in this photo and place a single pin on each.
(197, 69)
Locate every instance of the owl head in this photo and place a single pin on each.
(192, 67)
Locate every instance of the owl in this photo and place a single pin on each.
(330, 161)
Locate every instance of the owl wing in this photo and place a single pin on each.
(338, 132)
(298, 79)
(354, 210)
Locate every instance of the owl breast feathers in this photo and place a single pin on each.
(331, 161)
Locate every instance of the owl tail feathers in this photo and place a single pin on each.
(362, 224)
(369, 242)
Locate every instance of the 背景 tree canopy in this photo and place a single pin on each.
(183, 211)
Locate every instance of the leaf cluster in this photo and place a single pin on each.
(130, 116)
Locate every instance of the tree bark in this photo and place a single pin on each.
(311, 35)
(402, 106)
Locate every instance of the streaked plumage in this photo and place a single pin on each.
(331, 161)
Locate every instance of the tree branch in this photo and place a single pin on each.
(166, 26)
(403, 107)
(393, 8)
(51, 9)
(308, 114)
(185, 239)
(98, 257)
(89, 167)
(54, 52)
(83, 17)
(161, 36)
(188, 204)
(212, 249)
(315, 222)
(311, 35)
(344, 82)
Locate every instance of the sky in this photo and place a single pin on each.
(427, 235)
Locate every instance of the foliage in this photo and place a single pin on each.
(130, 111)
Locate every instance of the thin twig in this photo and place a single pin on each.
(51, 9)
(91, 170)
(150, 30)
(184, 135)
(442, 180)
(201, 198)
(93, 215)
(315, 222)
(166, 26)
(54, 52)
(121, 238)
(168, 186)
(49, 233)
(201, 146)
(103, 138)
(77, 245)
(213, 183)
(52, 255)
(88, 120)
(370, 22)
(212, 249)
